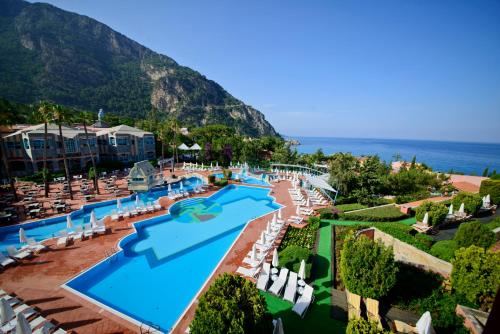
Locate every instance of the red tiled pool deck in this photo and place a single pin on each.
(38, 281)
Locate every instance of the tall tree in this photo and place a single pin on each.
(85, 117)
(7, 118)
(44, 115)
(63, 115)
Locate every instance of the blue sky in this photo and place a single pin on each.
(425, 69)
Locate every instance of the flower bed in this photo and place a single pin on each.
(303, 237)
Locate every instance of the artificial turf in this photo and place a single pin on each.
(408, 221)
(318, 317)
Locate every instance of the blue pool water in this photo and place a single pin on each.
(48, 228)
(245, 179)
(163, 265)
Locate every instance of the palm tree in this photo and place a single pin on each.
(162, 134)
(44, 115)
(174, 125)
(62, 115)
(7, 117)
(89, 117)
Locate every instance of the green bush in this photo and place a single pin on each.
(444, 249)
(474, 233)
(493, 224)
(227, 174)
(326, 213)
(424, 239)
(362, 326)
(367, 267)
(231, 304)
(211, 179)
(472, 202)
(303, 237)
(377, 214)
(475, 275)
(437, 212)
(491, 187)
(404, 233)
(291, 256)
(221, 183)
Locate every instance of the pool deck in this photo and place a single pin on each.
(38, 281)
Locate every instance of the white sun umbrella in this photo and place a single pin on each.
(180, 186)
(6, 311)
(308, 202)
(278, 327)
(425, 221)
(279, 214)
(69, 222)
(137, 199)
(118, 204)
(268, 228)
(169, 187)
(202, 166)
(217, 164)
(262, 239)
(488, 198)
(424, 324)
(211, 165)
(22, 236)
(450, 209)
(462, 208)
(274, 219)
(253, 255)
(275, 261)
(22, 325)
(302, 270)
(93, 219)
(298, 210)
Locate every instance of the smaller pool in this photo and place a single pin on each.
(246, 179)
(48, 228)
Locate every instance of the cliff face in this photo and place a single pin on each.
(48, 53)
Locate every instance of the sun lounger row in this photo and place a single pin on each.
(18, 317)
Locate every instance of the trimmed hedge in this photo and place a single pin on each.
(291, 256)
(378, 214)
(474, 233)
(221, 183)
(491, 187)
(493, 224)
(472, 202)
(404, 233)
(437, 212)
(444, 249)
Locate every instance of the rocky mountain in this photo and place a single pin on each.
(71, 59)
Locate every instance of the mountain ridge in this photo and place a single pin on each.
(72, 59)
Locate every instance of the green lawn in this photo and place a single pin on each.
(318, 317)
(408, 221)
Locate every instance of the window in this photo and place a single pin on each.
(13, 144)
(26, 143)
(70, 145)
(37, 143)
(121, 140)
(112, 141)
(138, 179)
(149, 140)
(92, 141)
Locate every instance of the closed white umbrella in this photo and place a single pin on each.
(279, 214)
(22, 325)
(180, 186)
(253, 256)
(275, 261)
(202, 167)
(298, 210)
(93, 219)
(487, 201)
(302, 269)
(425, 221)
(308, 203)
(262, 239)
(137, 199)
(169, 187)
(118, 204)
(211, 165)
(278, 327)
(6, 311)
(488, 198)
(274, 219)
(424, 324)
(217, 164)
(268, 228)
(22, 236)
(462, 208)
(69, 222)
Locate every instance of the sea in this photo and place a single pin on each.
(442, 156)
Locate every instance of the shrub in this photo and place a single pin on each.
(472, 202)
(491, 187)
(424, 239)
(404, 233)
(493, 224)
(221, 183)
(378, 214)
(444, 249)
(362, 326)
(232, 304)
(437, 212)
(291, 256)
(474, 233)
(211, 179)
(227, 174)
(367, 267)
(475, 275)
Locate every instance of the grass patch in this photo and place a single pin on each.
(378, 214)
(350, 207)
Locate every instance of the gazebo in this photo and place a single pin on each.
(142, 176)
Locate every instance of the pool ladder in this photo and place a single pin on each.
(149, 328)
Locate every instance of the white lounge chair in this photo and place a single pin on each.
(291, 287)
(87, 230)
(77, 233)
(248, 272)
(24, 309)
(6, 261)
(35, 246)
(18, 255)
(114, 215)
(100, 228)
(304, 301)
(63, 239)
(264, 276)
(279, 283)
(126, 213)
(157, 205)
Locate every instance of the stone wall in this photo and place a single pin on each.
(406, 253)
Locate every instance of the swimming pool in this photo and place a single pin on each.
(165, 263)
(48, 228)
(245, 179)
